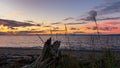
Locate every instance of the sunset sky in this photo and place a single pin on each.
(46, 16)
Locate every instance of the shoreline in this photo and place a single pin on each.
(10, 57)
(59, 34)
(37, 51)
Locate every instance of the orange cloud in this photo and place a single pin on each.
(106, 27)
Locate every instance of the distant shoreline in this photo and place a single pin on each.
(32, 48)
(59, 34)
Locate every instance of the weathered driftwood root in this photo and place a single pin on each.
(49, 57)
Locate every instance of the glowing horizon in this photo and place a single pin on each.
(107, 27)
(76, 14)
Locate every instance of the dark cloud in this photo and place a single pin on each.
(29, 21)
(73, 28)
(75, 23)
(12, 23)
(69, 18)
(107, 28)
(33, 22)
(12, 28)
(94, 28)
(111, 1)
(56, 30)
(110, 18)
(32, 31)
(37, 24)
(42, 31)
(88, 28)
(46, 26)
(78, 32)
(110, 6)
(91, 16)
(56, 23)
(107, 18)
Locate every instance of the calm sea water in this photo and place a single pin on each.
(73, 41)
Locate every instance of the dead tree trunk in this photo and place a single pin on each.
(50, 56)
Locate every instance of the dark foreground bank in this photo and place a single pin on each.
(18, 57)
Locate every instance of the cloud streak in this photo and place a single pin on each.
(99, 19)
(109, 6)
(56, 23)
(12, 23)
(91, 16)
(75, 23)
(73, 28)
(106, 28)
(69, 18)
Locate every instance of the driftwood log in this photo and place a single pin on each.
(50, 57)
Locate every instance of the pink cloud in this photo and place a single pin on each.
(109, 27)
(114, 31)
(111, 23)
